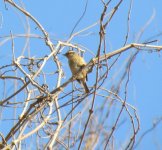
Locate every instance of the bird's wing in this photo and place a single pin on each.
(81, 64)
(81, 67)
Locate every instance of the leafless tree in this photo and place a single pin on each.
(39, 114)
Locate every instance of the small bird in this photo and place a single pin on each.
(76, 63)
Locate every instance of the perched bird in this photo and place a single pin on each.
(76, 63)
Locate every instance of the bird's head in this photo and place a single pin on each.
(69, 54)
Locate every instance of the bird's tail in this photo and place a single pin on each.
(85, 87)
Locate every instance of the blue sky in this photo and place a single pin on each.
(59, 18)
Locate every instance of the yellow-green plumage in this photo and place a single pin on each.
(76, 63)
